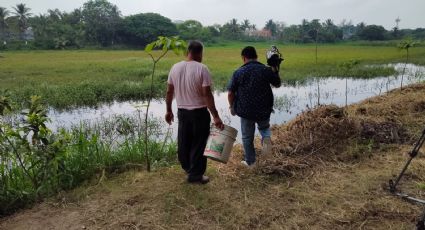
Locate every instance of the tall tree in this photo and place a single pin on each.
(280, 29)
(330, 32)
(140, 29)
(347, 29)
(272, 26)
(23, 13)
(4, 13)
(58, 30)
(292, 33)
(190, 29)
(373, 32)
(245, 25)
(101, 20)
(396, 31)
(232, 29)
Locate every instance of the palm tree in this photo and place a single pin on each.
(234, 25)
(271, 26)
(4, 13)
(23, 13)
(41, 26)
(329, 23)
(235, 28)
(245, 25)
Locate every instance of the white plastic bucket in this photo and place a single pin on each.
(220, 143)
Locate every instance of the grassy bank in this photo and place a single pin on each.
(337, 186)
(75, 78)
(36, 163)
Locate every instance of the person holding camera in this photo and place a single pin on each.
(251, 98)
(190, 83)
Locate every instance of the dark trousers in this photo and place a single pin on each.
(194, 129)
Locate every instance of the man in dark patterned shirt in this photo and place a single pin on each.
(251, 98)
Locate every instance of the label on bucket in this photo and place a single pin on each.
(216, 146)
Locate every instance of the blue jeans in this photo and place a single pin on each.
(248, 132)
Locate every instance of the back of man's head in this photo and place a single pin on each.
(195, 48)
(249, 52)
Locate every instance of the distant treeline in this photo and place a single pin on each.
(98, 23)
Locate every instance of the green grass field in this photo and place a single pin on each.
(74, 78)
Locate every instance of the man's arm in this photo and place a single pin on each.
(231, 99)
(231, 89)
(209, 100)
(169, 116)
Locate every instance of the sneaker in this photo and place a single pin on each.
(267, 146)
(244, 163)
(201, 180)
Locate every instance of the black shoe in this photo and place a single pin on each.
(199, 180)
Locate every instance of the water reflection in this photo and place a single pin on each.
(290, 99)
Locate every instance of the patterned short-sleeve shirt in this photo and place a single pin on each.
(253, 93)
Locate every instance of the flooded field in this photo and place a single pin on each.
(290, 100)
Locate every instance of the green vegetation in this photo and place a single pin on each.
(74, 78)
(99, 23)
(36, 163)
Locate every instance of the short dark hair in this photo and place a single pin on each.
(195, 47)
(249, 52)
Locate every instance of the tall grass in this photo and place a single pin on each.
(37, 164)
(67, 79)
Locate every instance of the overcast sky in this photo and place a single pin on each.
(208, 12)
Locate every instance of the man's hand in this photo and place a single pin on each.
(218, 123)
(169, 117)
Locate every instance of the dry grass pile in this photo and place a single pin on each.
(403, 109)
(323, 131)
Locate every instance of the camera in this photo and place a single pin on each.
(274, 57)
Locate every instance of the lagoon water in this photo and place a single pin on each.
(290, 100)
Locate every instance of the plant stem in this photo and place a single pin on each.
(148, 164)
(318, 91)
(155, 61)
(404, 68)
(317, 33)
(346, 91)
